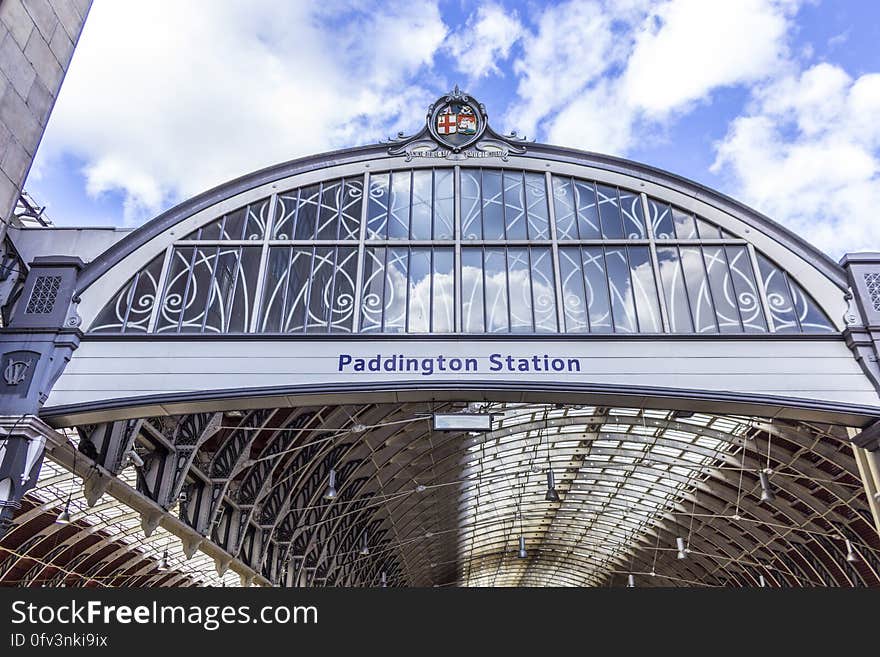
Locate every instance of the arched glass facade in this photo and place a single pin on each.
(461, 250)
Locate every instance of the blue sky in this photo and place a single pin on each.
(773, 102)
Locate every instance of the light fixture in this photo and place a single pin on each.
(473, 422)
(552, 495)
(682, 551)
(133, 458)
(384, 580)
(850, 552)
(365, 549)
(761, 581)
(64, 517)
(358, 428)
(630, 582)
(767, 494)
(522, 548)
(331, 486)
(164, 565)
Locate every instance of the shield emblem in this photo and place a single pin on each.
(467, 122)
(456, 121)
(447, 122)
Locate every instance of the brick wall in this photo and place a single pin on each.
(37, 38)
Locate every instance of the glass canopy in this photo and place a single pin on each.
(513, 252)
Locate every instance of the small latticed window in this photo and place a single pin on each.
(872, 281)
(43, 296)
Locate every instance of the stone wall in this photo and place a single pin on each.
(37, 38)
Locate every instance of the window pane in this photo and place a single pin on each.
(213, 231)
(622, 306)
(307, 212)
(396, 291)
(328, 211)
(514, 206)
(237, 289)
(350, 214)
(377, 211)
(444, 205)
(609, 212)
(748, 298)
(443, 292)
(598, 294)
(543, 291)
(421, 205)
(297, 295)
(495, 275)
(398, 220)
(685, 229)
(707, 230)
(779, 301)
(199, 290)
(275, 289)
(723, 293)
(698, 290)
(285, 215)
(321, 290)
(373, 295)
(536, 208)
(661, 219)
(633, 215)
(176, 285)
(645, 290)
(574, 299)
(472, 291)
(235, 225)
(564, 209)
(493, 214)
(587, 210)
(519, 280)
(342, 300)
(419, 291)
(810, 317)
(471, 222)
(674, 290)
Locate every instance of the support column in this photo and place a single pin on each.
(22, 443)
(863, 316)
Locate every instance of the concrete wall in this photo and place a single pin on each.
(37, 39)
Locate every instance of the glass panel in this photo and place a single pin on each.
(519, 280)
(574, 299)
(748, 299)
(444, 204)
(307, 212)
(810, 316)
(564, 208)
(707, 231)
(395, 291)
(342, 304)
(176, 285)
(199, 289)
(321, 290)
(235, 224)
(622, 306)
(702, 310)
(495, 275)
(493, 213)
(419, 291)
(328, 211)
(275, 289)
(723, 293)
(297, 293)
(398, 220)
(443, 292)
(587, 210)
(674, 290)
(779, 301)
(471, 223)
(645, 289)
(257, 220)
(685, 229)
(377, 211)
(213, 231)
(421, 205)
(472, 291)
(373, 295)
(609, 213)
(130, 310)
(661, 219)
(537, 210)
(514, 206)
(633, 215)
(543, 290)
(598, 294)
(285, 210)
(239, 290)
(350, 213)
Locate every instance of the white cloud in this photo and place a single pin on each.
(486, 38)
(165, 99)
(808, 154)
(599, 75)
